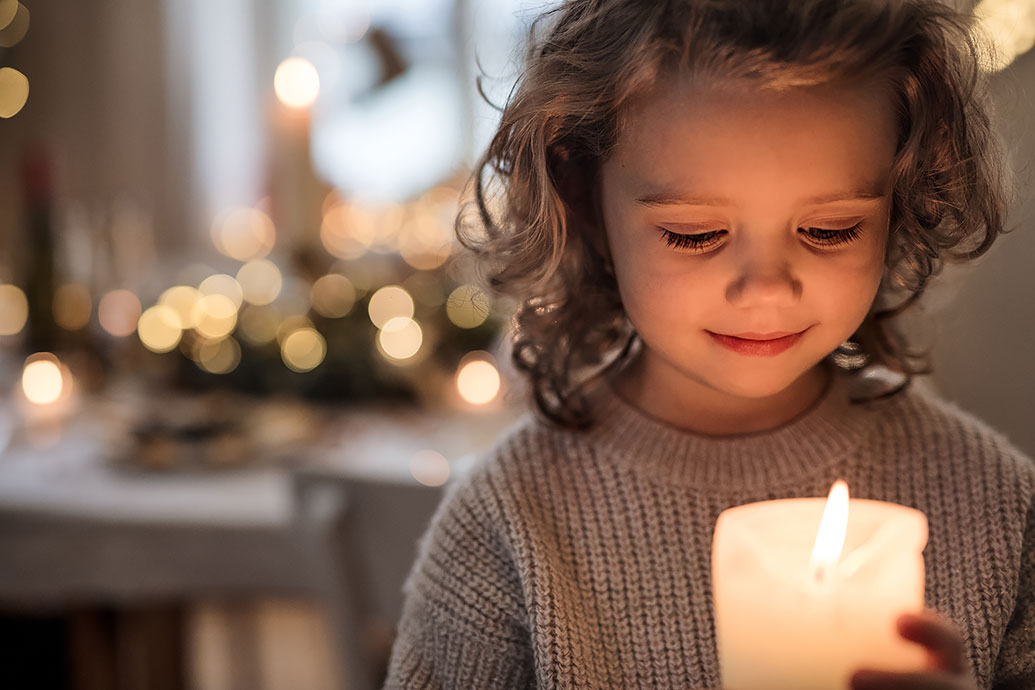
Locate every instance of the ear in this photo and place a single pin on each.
(578, 184)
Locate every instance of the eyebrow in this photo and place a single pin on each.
(672, 199)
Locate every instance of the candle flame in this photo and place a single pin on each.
(830, 539)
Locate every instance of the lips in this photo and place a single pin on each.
(758, 344)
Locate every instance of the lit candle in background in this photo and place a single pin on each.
(46, 397)
(788, 620)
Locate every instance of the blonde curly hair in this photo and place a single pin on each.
(524, 219)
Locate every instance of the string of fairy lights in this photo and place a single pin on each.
(14, 86)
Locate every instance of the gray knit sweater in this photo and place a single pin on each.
(568, 559)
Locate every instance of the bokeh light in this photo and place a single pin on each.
(222, 284)
(14, 91)
(429, 467)
(388, 303)
(118, 312)
(42, 380)
(1009, 25)
(400, 338)
(258, 325)
(182, 299)
(218, 356)
(72, 306)
(244, 234)
(215, 316)
(296, 82)
(478, 380)
(347, 231)
(260, 281)
(333, 295)
(8, 10)
(160, 328)
(14, 32)
(14, 309)
(303, 349)
(290, 324)
(467, 306)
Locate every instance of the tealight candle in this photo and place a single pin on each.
(807, 590)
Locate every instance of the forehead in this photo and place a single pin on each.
(736, 141)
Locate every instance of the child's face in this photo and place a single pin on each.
(745, 167)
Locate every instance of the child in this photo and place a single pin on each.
(711, 210)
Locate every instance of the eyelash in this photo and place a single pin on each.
(832, 238)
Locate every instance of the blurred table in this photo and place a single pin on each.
(77, 529)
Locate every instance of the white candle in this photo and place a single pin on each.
(807, 590)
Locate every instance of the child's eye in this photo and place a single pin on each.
(820, 236)
(831, 238)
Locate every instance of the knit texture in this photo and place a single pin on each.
(567, 559)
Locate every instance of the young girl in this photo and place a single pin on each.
(711, 212)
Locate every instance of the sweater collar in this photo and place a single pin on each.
(817, 438)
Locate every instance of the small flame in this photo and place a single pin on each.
(830, 539)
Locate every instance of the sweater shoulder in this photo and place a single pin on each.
(923, 416)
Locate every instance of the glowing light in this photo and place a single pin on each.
(258, 325)
(400, 338)
(182, 299)
(467, 306)
(244, 234)
(333, 295)
(303, 349)
(14, 32)
(424, 242)
(14, 91)
(8, 10)
(222, 284)
(14, 309)
(218, 356)
(260, 281)
(833, 526)
(215, 316)
(118, 312)
(291, 324)
(42, 381)
(160, 328)
(347, 231)
(429, 468)
(478, 381)
(1009, 28)
(388, 303)
(296, 82)
(72, 306)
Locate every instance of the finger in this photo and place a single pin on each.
(886, 680)
(939, 636)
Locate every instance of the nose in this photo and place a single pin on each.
(764, 281)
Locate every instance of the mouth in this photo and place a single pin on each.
(758, 344)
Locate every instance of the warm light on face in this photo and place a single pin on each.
(296, 83)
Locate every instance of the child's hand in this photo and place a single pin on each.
(948, 664)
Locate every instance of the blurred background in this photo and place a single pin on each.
(241, 355)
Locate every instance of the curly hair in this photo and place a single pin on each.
(588, 58)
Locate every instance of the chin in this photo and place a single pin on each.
(756, 384)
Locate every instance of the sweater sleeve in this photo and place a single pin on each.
(1015, 666)
(463, 623)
